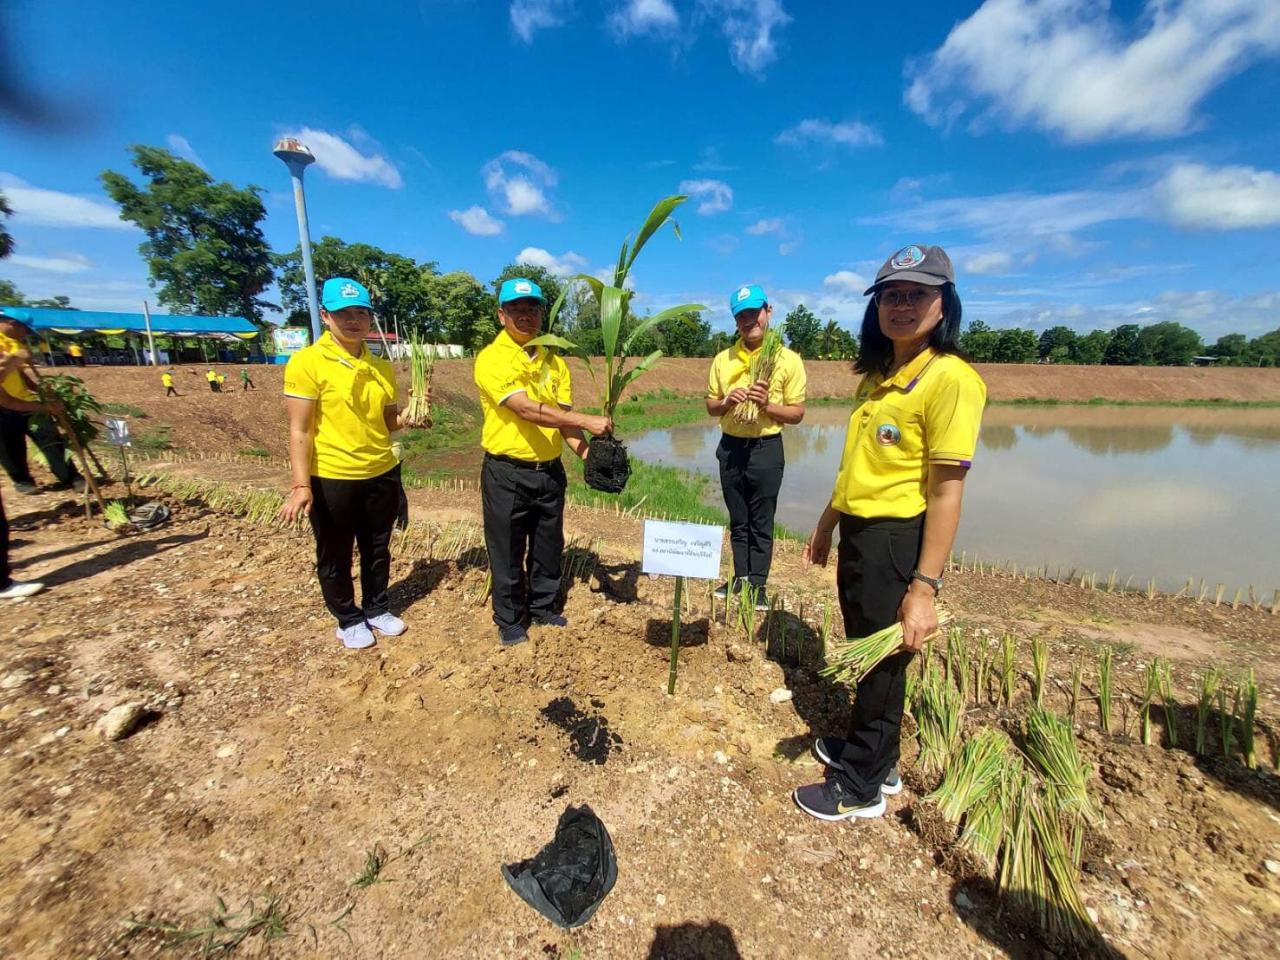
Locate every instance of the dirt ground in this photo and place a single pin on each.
(272, 761)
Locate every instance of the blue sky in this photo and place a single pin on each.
(1084, 163)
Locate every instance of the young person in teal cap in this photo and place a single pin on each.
(750, 453)
(343, 408)
(527, 399)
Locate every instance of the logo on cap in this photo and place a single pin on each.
(349, 291)
(523, 286)
(911, 256)
(744, 293)
(887, 435)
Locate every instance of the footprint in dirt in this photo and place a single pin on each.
(590, 739)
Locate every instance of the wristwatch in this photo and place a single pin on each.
(935, 582)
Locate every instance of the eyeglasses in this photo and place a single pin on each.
(910, 298)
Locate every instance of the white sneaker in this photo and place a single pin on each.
(387, 623)
(356, 637)
(17, 590)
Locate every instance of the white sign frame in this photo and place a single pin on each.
(691, 550)
(117, 432)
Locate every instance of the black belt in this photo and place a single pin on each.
(750, 441)
(522, 464)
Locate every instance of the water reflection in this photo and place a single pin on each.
(1154, 492)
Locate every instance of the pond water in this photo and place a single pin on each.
(1161, 492)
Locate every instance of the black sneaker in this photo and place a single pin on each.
(722, 591)
(27, 488)
(829, 800)
(828, 750)
(550, 620)
(762, 600)
(510, 636)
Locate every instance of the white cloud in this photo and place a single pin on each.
(66, 263)
(761, 227)
(846, 281)
(724, 244)
(51, 208)
(993, 262)
(748, 25)
(1226, 198)
(846, 133)
(1071, 67)
(639, 17)
(788, 247)
(343, 161)
(714, 196)
(182, 147)
(565, 265)
(518, 181)
(530, 16)
(477, 221)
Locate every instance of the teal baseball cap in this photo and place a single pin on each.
(747, 297)
(342, 292)
(519, 288)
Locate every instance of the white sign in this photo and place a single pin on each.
(682, 549)
(117, 432)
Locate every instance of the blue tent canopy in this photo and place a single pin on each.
(95, 321)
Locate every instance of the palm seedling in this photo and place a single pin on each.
(620, 333)
(1204, 704)
(1104, 689)
(851, 660)
(1039, 668)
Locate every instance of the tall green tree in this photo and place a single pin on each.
(682, 335)
(1230, 349)
(58, 302)
(1056, 344)
(1016, 345)
(1264, 351)
(10, 296)
(462, 310)
(802, 328)
(1091, 348)
(6, 238)
(204, 247)
(978, 342)
(1170, 344)
(1123, 346)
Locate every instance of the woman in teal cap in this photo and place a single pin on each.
(343, 408)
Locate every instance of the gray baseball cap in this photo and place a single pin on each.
(917, 263)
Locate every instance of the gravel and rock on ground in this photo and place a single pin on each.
(262, 763)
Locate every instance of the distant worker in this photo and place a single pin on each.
(896, 504)
(222, 381)
(245, 382)
(76, 352)
(11, 589)
(18, 403)
(527, 401)
(343, 408)
(750, 449)
(166, 378)
(212, 377)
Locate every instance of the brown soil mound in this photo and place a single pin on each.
(273, 760)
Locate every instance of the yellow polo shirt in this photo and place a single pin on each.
(927, 412)
(75, 350)
(504, 368)
(731, 368)
(14, 383)
(212, 376)
(166, 379)
(352, 441)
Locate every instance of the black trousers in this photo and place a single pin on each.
(6, 577)
(170, 392)
(750, 477)
(875, 561)
(14, 428)
(524, 535)
(349, 512)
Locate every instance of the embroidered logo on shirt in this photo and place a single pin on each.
(887, 435)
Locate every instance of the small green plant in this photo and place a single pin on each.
(1039, 668)
(222, 931)
(1227, 718)
(1208, 689)
(375, 858)
(1008, 667)
(155, 440)
(1167, 701)
(1150, 689)
(261, 452)
(116, 515)
(1104, 689)
(1246, 709)
(958, 661)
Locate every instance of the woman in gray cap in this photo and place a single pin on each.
(896, 499)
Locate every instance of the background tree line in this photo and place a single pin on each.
(206, 254)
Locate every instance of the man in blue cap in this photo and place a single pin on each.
(750, 450)
(343, 408)
(527, 399)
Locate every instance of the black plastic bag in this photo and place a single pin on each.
(568, 878)
(607, 467)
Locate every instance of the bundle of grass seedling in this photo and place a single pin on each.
(1247, 697)
(421, 365)
(116, 516)
(1165, 682)
(958, 661)
(851, 660)
(973, 772)
(987, 818)
(760, 369)
(939, 713)
(1227, 718)
(1149, 692)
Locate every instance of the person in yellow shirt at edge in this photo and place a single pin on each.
(342, 406)
(166, 380)
(212, 377)
(527, 400)
(750, 454)
(907, 451)
(77, 354)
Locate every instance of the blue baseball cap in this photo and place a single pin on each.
(342, 292)
(519, 288)
(746, 298)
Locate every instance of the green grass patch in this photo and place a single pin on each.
(653, 491)
(124, 410)
(262, 452)
(155, 440)
(452, 425)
